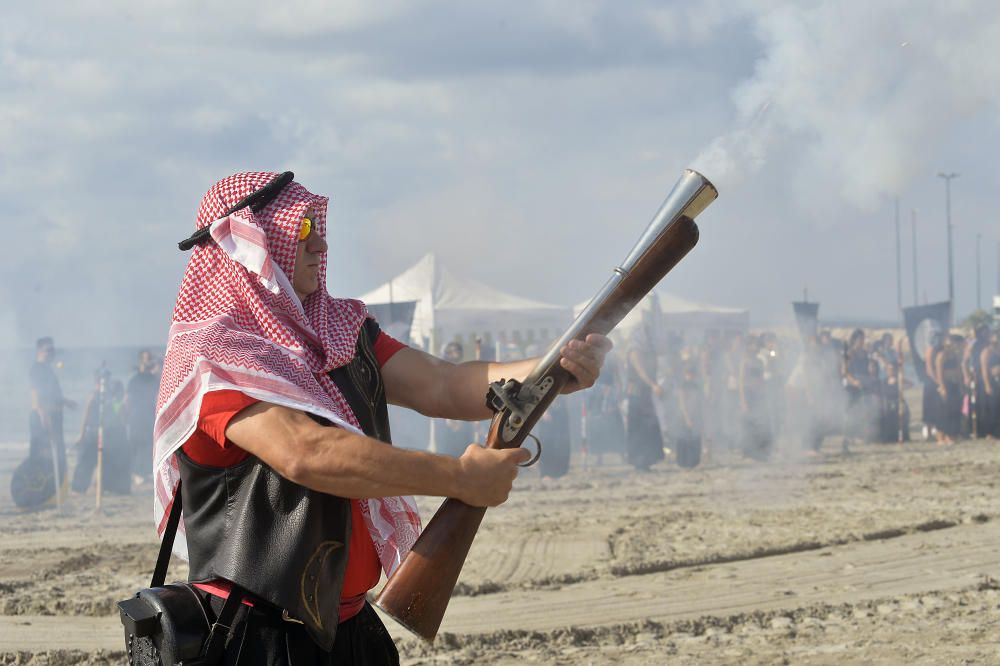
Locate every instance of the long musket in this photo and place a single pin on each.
(417, 594)
(102, 388)
(972, 401)
(900, 412)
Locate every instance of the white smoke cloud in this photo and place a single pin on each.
(866, 91)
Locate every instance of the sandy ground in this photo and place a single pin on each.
(886, 556)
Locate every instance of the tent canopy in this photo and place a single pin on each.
(673, 314)
(450, 307)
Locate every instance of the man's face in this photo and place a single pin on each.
(308, 256)
(145, 361)
(46, 353)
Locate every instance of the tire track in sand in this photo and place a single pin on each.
(536, 558)
(947, 559)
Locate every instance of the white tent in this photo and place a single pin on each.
(673, 314)
(683, 315)
(450, 307)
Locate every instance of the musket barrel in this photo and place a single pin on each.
(688, 198)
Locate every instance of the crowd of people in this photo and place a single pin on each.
(962, 391)
(733, 392)
(743, 393)
(117, 422)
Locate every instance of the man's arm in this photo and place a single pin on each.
(984, 370)
(437, 388)
(635, 359)
(929, 367)
(38, 408)
(743, 386)
(967, 364)
(939, 374)
(338, 462)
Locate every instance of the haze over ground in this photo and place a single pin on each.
(515, 143)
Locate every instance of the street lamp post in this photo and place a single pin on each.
(947, 213)
(913, 223)
(899, 264)
(979, 284)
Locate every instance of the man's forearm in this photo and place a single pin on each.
(349, 465)
(464, 395)
(440, 389)
(342, 463)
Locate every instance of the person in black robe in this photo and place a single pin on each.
(140, 413)
(989, 362)
(605, 427)
(553, 431)
(862, 386)
(757, 435)
(104, 426)
(644, 439)
(45, 424)
(731, 413)
(931, 404)
(686, 423)
(949, 380)
(713, 377)
(825, 397)
(775, 377)
(975, 381)
(801, 391)
(895, 415)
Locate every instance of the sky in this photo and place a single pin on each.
(528, 144)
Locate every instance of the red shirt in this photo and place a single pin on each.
(208, 446)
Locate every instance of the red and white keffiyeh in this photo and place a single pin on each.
(238, 325)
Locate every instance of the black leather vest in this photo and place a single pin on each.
(284, 543)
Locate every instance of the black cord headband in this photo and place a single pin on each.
(256, 200)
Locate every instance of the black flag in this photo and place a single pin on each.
(394, 318)
(924, 323)
(807, 317)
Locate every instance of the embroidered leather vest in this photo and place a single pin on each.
(282, 542)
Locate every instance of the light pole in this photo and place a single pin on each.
(947, 213)
(899, 264)
(979, 284)
(913, 223)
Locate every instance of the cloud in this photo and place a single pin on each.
(541, 135)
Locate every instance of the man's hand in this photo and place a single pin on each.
(488, 474)
(583, 360)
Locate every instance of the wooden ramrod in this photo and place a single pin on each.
(417, 593)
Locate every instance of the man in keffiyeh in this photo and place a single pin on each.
(272, 413)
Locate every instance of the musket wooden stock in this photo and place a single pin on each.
(417, 594)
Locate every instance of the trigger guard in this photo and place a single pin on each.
(538, 452)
